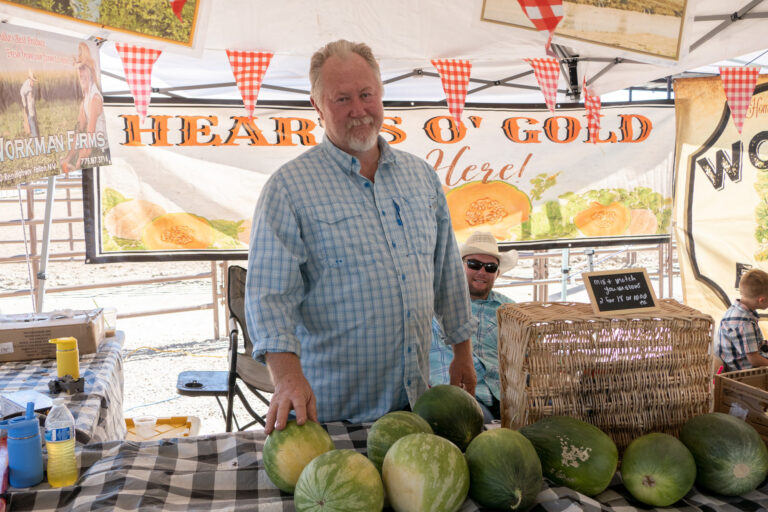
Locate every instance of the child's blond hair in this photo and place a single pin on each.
(754, 284)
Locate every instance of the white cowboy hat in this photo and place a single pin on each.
(483, 242)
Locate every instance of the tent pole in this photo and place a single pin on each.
(722, 26)
(41, 275)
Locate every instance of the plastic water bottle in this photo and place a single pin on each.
(60, 443)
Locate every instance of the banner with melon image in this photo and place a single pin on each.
(721, 219)
(183, 184)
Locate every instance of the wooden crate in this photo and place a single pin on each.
(628, 375)
(745, 390)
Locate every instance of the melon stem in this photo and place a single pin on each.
(648, 481)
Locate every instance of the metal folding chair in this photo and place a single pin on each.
(243, 369)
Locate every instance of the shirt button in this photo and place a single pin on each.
(367, 185)
(394, 244)
(408, 314)
(383, 212)
(403, 277)
(409, 350)
(408, 382)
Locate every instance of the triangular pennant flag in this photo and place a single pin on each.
(592, 105)
(249, 69)
(177, 6)
(547, 71)
(455, 77)
(137, 64)
(739, 84)
(544, 14)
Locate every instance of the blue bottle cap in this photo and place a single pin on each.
(22, 426)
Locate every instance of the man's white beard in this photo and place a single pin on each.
(358, 144)
(362, 145)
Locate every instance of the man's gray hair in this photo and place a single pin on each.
(341, 48)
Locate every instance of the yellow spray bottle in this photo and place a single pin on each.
(67, 357)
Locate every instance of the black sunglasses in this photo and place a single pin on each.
(491, 268)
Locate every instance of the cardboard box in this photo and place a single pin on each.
(25, 336)
(744, 393)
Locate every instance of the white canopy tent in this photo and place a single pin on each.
(405, 36)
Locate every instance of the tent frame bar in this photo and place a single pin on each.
(730, 19)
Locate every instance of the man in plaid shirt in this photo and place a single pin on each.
(740, 344)
(483, 263)
(351, 252)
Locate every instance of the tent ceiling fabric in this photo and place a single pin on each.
(405, 35)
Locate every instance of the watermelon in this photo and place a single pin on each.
(339, 481)
(504, 470)
(451, 412)
(287, 451)
(425, 473)
(573, 453)
(388, 429)
(658, 469)
(731, 458)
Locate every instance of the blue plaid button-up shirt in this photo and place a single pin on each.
(346, 274)
(738, 335)
(485, 349)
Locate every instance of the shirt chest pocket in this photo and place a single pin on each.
(339, 234)
(421, 224)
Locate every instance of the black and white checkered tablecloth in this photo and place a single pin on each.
(98, 411)
(225, 472)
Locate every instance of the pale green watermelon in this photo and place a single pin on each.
(339, 481)
(658, 469)
(425, 473)
(388, 429)
(287, 451)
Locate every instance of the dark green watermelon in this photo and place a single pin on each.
(574, 453)
(451, 412)
(731, 457)
(504, 470)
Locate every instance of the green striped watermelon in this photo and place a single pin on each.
(731, 458)
(388, 429)
(451, 412)
(287, 451)
(425, 473)
(339, 481)
(574, 453)
(504, 470)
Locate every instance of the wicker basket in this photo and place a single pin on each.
(627, 375)
(745, 391)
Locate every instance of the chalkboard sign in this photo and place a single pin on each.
(620, 291)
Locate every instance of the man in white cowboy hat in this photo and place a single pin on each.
(483, 263)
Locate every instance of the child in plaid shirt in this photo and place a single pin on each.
(740, 344)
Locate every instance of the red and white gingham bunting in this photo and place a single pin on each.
(249, 68)
(739, 84)
(592, 106)
(547, 71)
(177, 6)
(544, 14)
(137, 64)
(454, 74)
